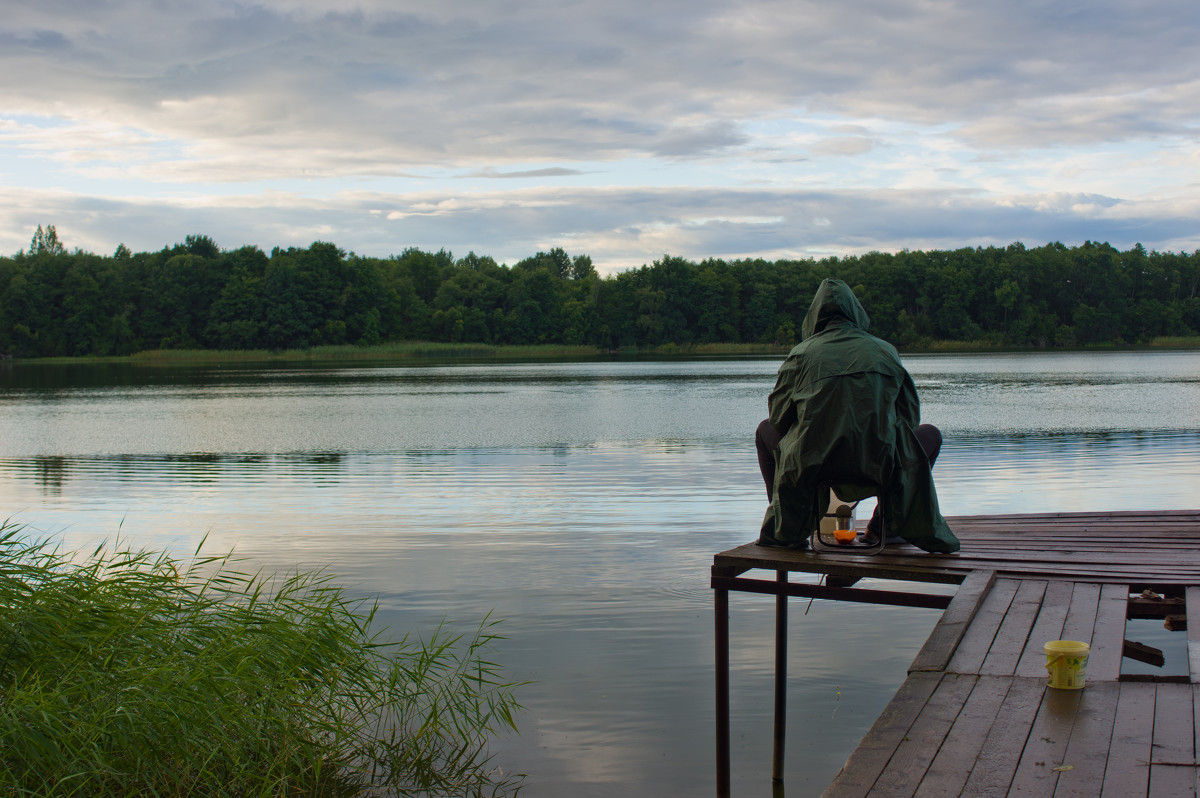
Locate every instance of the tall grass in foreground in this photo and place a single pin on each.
(125, 673)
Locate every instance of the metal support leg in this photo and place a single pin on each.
(781, 598)
(722, 661)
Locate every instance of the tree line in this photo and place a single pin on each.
(195, 295)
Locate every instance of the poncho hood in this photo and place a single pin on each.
(834, 303)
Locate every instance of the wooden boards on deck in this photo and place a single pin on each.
(975, 716)
(1131, 548)
(987, 724)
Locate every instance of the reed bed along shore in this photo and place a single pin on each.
(434, 351)
(391, 351)
(132, 673)
(427, 350)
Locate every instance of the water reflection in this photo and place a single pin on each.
(582, 503)
(50, 474)
(1060, 393)
(1030, 472)
(1043, 472)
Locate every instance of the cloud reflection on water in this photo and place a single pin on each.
(582, 503)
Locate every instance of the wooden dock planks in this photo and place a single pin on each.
(1011, 638)
(1091, 738)
(995, 766)
(1134, 548)
(908, 765)
(875, 751)
(991, 726)
(1049, 626)
(1193, 632)
(964, 741)
(977, 640)
(1108, 635)
(1130, 747)
(950, 628)
(975, 717)
(1045, 749)
(1173, 754)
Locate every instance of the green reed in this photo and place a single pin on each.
(397, 350)
(131, 673)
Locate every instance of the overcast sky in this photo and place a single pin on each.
(623, 129)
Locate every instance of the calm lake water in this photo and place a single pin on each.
(581, 502)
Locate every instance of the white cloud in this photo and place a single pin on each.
(681, 105)
(462, 80)
(842, 145)
(555, 171)
(618, 227)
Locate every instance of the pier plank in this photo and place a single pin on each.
(1049, 626)
(1196, 736)
(978, 638)
(1108, 636)
(1087, 751)
(951, 767)
(1002, 748)
(1130, 748)
(1014, 631)
(1192, 603)
(946, 635)
(1046, 747)
(872, 755)
(1173, 766)
(908, 765)
(1081, 615)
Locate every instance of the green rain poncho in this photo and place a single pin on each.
(843, 400)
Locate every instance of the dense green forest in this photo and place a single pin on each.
(195, 295)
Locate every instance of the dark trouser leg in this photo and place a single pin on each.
(931, 442)
(766, 441)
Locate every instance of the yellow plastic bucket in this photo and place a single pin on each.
(1066, 663)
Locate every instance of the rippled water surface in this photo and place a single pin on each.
(581, 502)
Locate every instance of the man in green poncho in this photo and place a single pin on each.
(844, 403)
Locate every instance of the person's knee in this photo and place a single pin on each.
(931, 440)
(766, 441)
(766, 436)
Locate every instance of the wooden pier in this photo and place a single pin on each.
(974, 716)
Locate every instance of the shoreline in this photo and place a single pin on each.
(432, 351)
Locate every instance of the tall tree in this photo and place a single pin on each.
(45, 242)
